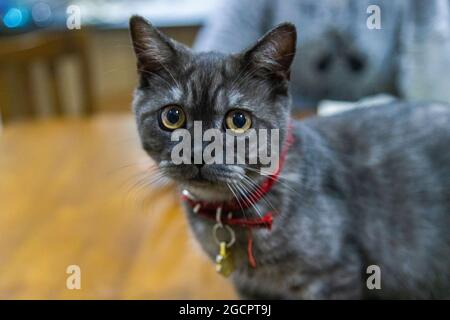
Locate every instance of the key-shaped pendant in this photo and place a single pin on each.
(224, 260)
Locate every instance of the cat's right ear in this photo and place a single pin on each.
(152, 48)
(274, 52)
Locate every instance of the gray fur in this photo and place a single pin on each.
(365, 187)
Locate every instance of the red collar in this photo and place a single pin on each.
(209, 209)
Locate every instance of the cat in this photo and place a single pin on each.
(364, 188)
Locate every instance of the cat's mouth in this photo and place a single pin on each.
(211, 182)
(203, 175)
(199, 179)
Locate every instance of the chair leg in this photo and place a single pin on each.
(26, 85)
(4, 100)
(54, 87)
(86, 74)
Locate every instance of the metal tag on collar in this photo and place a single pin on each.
(224, 259)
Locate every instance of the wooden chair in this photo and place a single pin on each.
(19, 53)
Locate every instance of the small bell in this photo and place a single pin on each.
(224, 260)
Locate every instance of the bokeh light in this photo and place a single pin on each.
(41, 13)
(14, 18)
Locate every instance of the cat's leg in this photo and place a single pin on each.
(338, 283)
(317, 288)
(332, 284)
(245, 293)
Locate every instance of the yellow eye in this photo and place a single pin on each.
(238, 121)
(172, 117)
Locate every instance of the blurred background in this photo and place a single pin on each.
(74, 184)
(80, 70)
(75, 187)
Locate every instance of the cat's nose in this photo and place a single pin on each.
(198, 163)
(199, 170)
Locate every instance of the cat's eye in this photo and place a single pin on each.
(238, 121)
(172, 117)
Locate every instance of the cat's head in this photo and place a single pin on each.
(246, 90)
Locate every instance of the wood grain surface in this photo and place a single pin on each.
(77, 192)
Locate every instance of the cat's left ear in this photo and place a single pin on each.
(275, 51)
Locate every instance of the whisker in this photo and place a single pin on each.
(252, 185)
(157, 75)
(282, 180)
(237, 198)
(134, 193)
(242, 187)
(149, 167)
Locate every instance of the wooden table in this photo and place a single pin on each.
(72, 192)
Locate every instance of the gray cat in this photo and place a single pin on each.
(363, 188)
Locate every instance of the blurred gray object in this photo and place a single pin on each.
(425, 51)
(338, 56)
(162, 13)
(331, 107)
